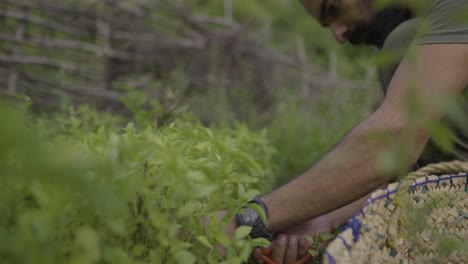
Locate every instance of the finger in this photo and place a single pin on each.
(266, 260)
(291, 250)
(266, 251)
(303, 247)
(304, 260)
(257, 254)
(279, 248)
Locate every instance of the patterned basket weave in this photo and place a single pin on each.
(421, 219)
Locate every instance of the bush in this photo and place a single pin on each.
(75, 192)
(302, 133)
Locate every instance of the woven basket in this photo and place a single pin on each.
(421, 219)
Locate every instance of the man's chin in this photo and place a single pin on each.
(363, 43)
(360, 40)
(357, 42)
(370, 38)
(375, 30)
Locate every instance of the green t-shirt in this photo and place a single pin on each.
(445, 22)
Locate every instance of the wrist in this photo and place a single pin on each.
(255, 215)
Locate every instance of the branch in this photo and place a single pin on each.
(55, 7)
(68, 44)
(161, 41)
(39, 61)
(43, 22)
(87, 90)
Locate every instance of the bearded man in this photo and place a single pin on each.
(434, 65)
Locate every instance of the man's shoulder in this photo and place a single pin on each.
(434, 4)
(402, 36)
(445, 21)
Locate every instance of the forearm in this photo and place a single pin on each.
(345, 174)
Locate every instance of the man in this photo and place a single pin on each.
(435, 65)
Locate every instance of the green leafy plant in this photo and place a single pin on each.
(317, 244)
(76, 192)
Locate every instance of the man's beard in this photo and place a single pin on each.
(376, 30)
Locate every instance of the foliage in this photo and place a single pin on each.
(318, 241)
(76, 192)
(85, 187)
(302, 133)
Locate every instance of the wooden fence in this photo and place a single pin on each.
(88, 49)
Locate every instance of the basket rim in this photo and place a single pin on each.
(423, 177)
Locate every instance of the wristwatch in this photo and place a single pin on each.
(251, 218)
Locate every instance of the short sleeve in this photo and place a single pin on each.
(446, 21)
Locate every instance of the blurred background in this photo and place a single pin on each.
(266, 64)
(145, 116)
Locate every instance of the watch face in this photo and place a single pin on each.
(250, 215)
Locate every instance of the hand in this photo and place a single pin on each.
(285, 250)
(229, 229)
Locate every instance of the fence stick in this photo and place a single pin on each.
(302, 56)
(105, 31)
(19, 37)
(228, 10)
(333, 66)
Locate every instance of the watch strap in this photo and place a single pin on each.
(251, 218)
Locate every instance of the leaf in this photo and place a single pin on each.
(313, 253)
(188, 209)
(199, 190)
(116, 256)
(261, 242)
(448, 244)
(241, 189)
(326, 237)
(184, 256)
(88, 240)
(242, 232)
(310, 239)
(261, 213)
(442, 136)
(138, 250)
(223, 239)
(249, 194)
(204, 241)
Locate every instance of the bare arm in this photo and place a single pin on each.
(350, 170)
